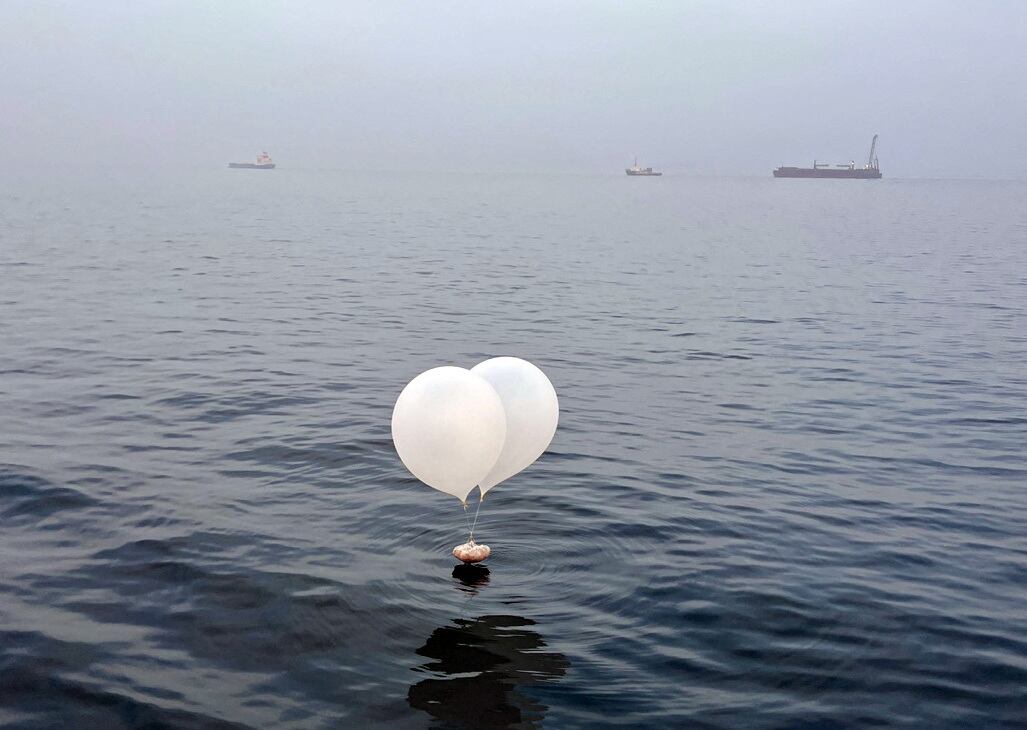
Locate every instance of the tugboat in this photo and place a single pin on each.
(870, 171)
(263, 163)
(636, 171)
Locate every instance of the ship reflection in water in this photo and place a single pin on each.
(481, 667)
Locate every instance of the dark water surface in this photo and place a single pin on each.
(788, 489)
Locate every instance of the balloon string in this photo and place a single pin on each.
(467, 521)
(476, 518)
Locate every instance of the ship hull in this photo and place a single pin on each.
(843, 173)
(251, 166)
(642, 174)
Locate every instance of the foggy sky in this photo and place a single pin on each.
(693, 87)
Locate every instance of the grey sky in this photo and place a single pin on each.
(694, 87)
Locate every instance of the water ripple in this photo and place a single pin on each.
(787, 488)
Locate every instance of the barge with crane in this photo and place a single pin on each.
(870, 171)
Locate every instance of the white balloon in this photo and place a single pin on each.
(532, 412)
(449, 427)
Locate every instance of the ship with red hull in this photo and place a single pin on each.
(870, 171)
(263, 162)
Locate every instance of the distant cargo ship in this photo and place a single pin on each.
(263, 163)
(637, 171)
(870, 171)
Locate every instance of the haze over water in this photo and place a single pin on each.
(703, 86)
(786, 490)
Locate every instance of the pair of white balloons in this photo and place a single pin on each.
(456, 429)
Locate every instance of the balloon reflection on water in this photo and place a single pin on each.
(481, 668)
(471, 575)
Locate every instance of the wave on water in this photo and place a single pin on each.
(786, 490)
